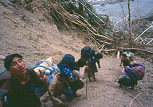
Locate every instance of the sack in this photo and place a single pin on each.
(52, 68)
(136, 73)
(80, 84)
(4, 75)
(67, 61)
(85, 52)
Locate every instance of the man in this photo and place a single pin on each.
(22, 83)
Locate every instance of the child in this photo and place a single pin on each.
(92, 65)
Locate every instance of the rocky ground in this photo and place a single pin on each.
(34, 36)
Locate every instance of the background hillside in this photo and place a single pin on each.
(35, 36)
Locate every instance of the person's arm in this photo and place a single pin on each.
(77, 73)
(39, 81)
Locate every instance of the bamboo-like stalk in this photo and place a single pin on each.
(130, 34)
(49, 92)
(143, 32)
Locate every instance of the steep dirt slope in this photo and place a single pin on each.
(35, 37)
(31, 35)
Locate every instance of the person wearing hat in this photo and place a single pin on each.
(22, 83)
(56, 85)
(69, 63)
(92, 65)
(126, 80)
(77, 83)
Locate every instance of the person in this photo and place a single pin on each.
(56, 85)
(77, 83)
(127, 55)
(92, 65)
(126, 80)
(22, 83)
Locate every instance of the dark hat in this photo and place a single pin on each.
(98, 56)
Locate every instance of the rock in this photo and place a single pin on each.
(2, 57)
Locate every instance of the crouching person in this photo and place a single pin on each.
(77, 83)
(56, 87)
(22, 83)
(132, 73)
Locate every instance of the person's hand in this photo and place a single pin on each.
(99, 66)
(44, 79)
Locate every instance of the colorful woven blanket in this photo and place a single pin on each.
(137, 72)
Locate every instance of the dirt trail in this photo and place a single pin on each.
(34, 37)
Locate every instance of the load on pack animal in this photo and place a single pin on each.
(47, 67)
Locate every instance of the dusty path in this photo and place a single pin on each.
(106, 93)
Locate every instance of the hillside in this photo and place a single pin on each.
(35, 36)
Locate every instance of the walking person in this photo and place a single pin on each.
(92, 65)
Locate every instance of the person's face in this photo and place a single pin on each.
(17, 67)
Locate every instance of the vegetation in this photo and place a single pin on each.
(79, 15)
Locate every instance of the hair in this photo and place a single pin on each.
(98, 56)
(81, 62)
(8, 60)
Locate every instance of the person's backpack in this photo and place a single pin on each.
(4, 75)
(137, 72)
(85, 52)
(68, 61)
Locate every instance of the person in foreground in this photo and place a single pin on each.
(21, 85)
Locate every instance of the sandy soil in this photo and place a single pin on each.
(34, 36)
